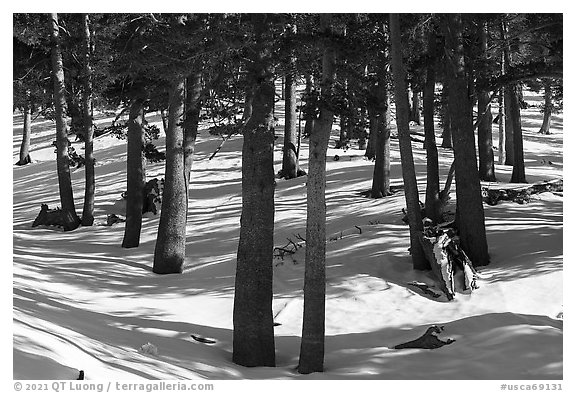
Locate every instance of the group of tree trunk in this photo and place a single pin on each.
(447, 61)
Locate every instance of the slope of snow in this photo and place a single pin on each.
(81, 302)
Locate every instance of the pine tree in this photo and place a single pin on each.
(90, 185)
(170, 248)
(290, 165)
(135, 174)
(419, 261)
(469, 208)
(485, 152)
(313, 328)
(432, 204)
(70, 219)
(253, 337)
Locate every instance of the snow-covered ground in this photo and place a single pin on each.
(81, 302)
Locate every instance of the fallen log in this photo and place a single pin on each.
(520, 195)
(429, 340)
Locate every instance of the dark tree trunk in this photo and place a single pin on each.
(415, 109)
(485, 152)
(313, 328)
(469, 209)
(290, 153)
(381, 175)
(26, 133)
(518, 170)
(90, 185)
(379, 112)
(71, 220)
(170, 247)
(501, 134)
(419, 260)
(191, 119)
(446, 125)
(345, 128)
(308, 116)
(372, 136)
(508, 127)
(548, 106)
(432, 204)
(363, 121)
(253, 338)
(136, 175)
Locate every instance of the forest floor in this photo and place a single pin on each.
(81, 302)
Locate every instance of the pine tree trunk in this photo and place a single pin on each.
(545, 128)
(135, 174)
(313, 327)
(71, 220)
(253, 337)
(362, 143)
(345, 127)
(290, 153)
(379, 111)
(432, 204)
(415, 109)
(90, 185)
(469, 208)
(308, 117)
(508, 128)
(501, 134)
(518, 170)
(170, 247)
(26, 133)
(381, 175)
(419, 261)
(485, 152)
(372, 136)
(191, 119)
(446, 126)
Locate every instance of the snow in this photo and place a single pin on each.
(81, 302)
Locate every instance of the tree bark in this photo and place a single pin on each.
(372, 137)
(485, 152)
(433, 206)
(379, 112)
(290, 153)
(548, 106)
(518, 170)
(90, 184)
(469, 208)
(308, 116)
(446, 125)
(170, 247)
(501, 134)
(71, 220)
(253, 337)
(508, 128)
(419, 260)
(313, 328)
(135, 174)
(193, 106)
(415, 108)
(26, 133)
